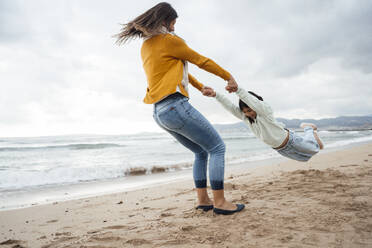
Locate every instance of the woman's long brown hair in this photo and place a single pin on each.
(147, 24)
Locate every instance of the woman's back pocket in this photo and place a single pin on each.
(172, 117)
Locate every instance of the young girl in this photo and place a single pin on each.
(258, 115)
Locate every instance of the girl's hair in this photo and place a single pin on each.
(147, 24)
(244, 105)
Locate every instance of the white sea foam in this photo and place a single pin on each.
(341, 143)
(45, 161)
(252, 157)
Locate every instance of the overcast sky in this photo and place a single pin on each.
(61, 73)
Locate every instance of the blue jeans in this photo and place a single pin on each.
(176, 116)
(300, 148)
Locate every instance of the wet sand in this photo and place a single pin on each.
(326, 202)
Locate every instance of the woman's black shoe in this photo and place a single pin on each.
(239, 207)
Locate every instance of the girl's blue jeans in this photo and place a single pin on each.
(190, 128)
(300, 148)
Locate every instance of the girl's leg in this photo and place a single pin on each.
(305, 145)
(314, 133)
(320, 143)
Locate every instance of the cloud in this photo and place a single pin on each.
(60, 71)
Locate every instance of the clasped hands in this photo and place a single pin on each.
(231, 86)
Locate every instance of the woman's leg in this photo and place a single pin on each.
(183, 119)
(199, 166)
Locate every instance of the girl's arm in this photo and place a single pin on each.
(259, 106)
(178, 49)
(228, 105)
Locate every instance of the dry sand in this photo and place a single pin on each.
(326, 202)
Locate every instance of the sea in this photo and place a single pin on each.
(39, 170)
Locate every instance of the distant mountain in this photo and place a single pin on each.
(235, 127)
(338, 123)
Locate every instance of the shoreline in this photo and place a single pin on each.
(323, 203)
(84, 190)
(160, 132)
(19, 199)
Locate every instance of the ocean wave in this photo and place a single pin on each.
(70, 146)
(325, 131)
(239, 138)
(16, 180)
(263, 155)
(31, 164)
(349, 141)
(148, 138)
(11, 179)
(135, 171)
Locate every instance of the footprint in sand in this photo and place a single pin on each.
(169, 209)
(286, 238)
(51, 221)
(64, 239)
(136, 242)
(116, 227)
(187, 228)
(310, 239)
(166, 214)
(63, 234)
(230, 186)
(11, 242)
(104, 238)
(349, 165)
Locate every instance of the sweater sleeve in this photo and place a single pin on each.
(179, 49)
(259, 106)
(229, 106)
(195, 82)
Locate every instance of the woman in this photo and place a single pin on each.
(259, 116)
(165, 58)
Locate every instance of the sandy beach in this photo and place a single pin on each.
(326, 202)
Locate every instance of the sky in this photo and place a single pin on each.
(62, 73)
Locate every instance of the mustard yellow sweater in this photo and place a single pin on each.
(162, 57)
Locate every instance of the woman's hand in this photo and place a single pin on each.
(208, 91)
(232, 86)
